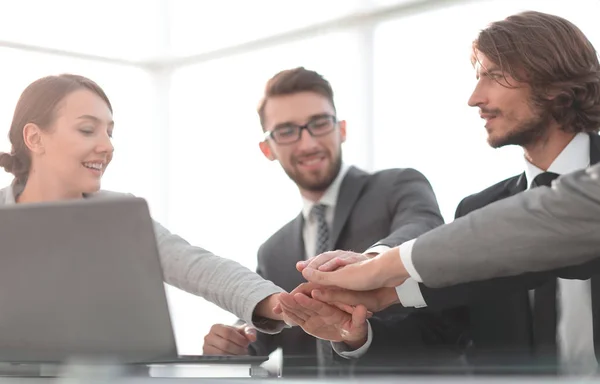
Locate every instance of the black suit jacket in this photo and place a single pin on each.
(498, 312)
(390, 206)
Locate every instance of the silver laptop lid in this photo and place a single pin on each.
(82, 278)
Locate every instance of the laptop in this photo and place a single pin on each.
(83, 279)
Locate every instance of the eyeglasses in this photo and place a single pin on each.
(291, 133)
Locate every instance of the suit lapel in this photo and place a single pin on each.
(518, 186)
(350, 189)
(292, 251)
(296, 246)
(538, 329)
(594, 148)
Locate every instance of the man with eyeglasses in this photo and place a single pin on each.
(343, 208)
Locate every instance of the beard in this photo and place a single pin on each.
(315, 182)
(525, 132)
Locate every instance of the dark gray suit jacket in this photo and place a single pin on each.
(387, 207)
(542, 229)
(499, 317)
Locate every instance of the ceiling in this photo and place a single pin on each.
(150, 31)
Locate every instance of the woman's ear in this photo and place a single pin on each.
(32, 136)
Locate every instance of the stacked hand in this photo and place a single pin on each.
(374, 300)
(326, 321)
(343, 291)
(355, 271)
(328, 309)
(333, 322)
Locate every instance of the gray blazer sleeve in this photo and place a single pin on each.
(413, 206)
(221, 281)
(195, 270)
(538, 230)
(265, 343)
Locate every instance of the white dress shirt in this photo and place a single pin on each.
(329, 198)
(310, 235)
(575, 320)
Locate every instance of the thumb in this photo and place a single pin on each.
(301, 265)
(248, 332)
(359, 316)
(330, 295)
(316, 276)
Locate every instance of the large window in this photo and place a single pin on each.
(201, 26)
(123, 30)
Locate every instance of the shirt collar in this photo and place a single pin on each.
(15, 189)
(330, 196)
(575, 156)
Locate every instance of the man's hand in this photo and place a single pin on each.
(375, 300)
(308, 289)
(228, 340)
(325, 321)
(330, 261)
(384, 270)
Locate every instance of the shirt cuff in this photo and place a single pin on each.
(342, 349)
(268, 326)
(410, 294)
(377, 249)
(406, 257)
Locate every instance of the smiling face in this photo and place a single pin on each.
(505, 105)
(311, 162)
(76, 148)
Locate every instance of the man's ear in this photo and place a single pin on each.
(266, 149)
(342, 125)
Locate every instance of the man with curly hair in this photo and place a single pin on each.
(538, 87)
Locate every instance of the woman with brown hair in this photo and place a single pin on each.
(61, 146)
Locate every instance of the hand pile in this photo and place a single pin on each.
(343, 291)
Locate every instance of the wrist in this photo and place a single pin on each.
(358, 342)
(390, 268)
(387, 297)
(265, 307)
